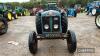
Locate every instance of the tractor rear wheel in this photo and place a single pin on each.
(64, 23)
(8, 15)
(3, 25)
(15, 16)
(38, 25)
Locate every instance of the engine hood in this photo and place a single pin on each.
(73, 9)
(51, 13)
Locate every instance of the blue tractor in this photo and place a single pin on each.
(93, 8)
(71, 11)
(96, 9)
(52, 24)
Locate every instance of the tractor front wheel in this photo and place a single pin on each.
(33, 43)
(15, 16)
(71, 42)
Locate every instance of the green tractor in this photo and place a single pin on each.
(4, 12)
(27, 12)
(52, 24)
(20, 11)
(12, 11)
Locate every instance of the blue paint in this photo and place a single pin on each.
(55, 13)
(71, 12)
(92, 5)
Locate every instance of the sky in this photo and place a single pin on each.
(14, 1)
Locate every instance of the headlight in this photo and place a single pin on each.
(46, 26)
(56, 26)
(85, 9)
(55, 18)
(94, 11)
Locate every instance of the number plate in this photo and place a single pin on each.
(53, 35)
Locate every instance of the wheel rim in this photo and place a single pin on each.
(94, 11)
(9, 16)
(21, 14)
(16, 16)
(98, 20)
(2, 25)
(24, 13)
(85, 9)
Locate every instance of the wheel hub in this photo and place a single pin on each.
(21, 14)
(24, 13)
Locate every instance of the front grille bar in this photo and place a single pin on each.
(41, 37)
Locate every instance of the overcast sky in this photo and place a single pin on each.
(14, 0)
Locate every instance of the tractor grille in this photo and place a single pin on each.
(51, 21)
(46, 20)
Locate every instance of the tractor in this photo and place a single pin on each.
(20, 11)
(12, 11)
(51, 24)
(71, 11)
(4, 12)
